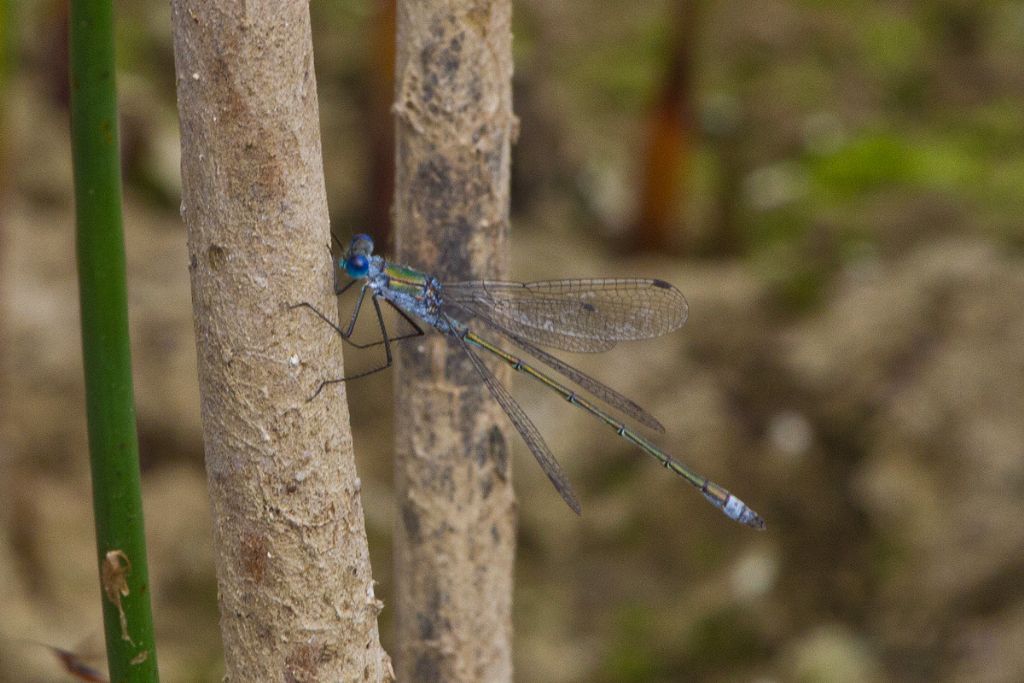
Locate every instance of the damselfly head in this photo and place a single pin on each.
(357, 258)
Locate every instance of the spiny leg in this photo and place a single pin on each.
(317, 313)
(346, 333)
(417, 330)
(387, 352)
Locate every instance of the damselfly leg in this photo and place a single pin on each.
(347, 332)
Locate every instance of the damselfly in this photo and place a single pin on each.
(572, 315)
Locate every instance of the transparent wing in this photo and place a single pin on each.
(598, 389)
(575, 315)
(526, 429)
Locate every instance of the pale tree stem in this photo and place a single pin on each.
(455, 528)
(293, 571)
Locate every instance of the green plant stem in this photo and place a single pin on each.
(6, 16)
(113, 442)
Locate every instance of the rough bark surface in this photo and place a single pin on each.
(296, 594)
(455, 531)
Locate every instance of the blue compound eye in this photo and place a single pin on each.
(357, 265)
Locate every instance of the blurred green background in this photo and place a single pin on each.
(837, 187)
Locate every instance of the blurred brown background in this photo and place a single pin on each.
(837, 187)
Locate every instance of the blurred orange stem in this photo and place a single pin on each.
(670, 132)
